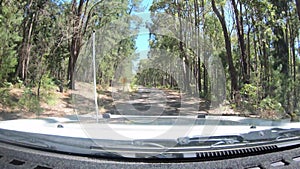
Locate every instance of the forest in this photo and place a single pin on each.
(257, 42)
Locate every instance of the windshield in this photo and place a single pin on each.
(150, 78)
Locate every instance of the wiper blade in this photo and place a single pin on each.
(209, 141)
(273, 134)
(269, 135)
(183, 147)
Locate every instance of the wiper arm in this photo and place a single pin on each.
(274, 134)
(209, 141)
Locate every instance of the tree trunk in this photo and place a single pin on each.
(186, 65)
(74, 52)
(298, 7)
(78, 32)
(240, 34)
(232, 70)
(23, 62)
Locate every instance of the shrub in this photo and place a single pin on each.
(249, 97)
(271, 108)
(30, 102)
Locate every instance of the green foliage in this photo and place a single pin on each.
(47, 91)
(249, 94)
(5, 99)
(271, 35)
(19, 83)
(294, 117)
(51, 99)
(47, 83)
(10, 18)
(249, 91)
(30, 102)
(133, 84)
(271, 105)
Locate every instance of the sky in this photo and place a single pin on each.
(142, 41)
(143, 36)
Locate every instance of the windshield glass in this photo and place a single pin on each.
(150, 78)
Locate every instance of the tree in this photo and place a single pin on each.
(232, 70)
(10, 19)
(30, 15)
(79, 13)
(257, 41)
(86, 16)
(240, 34)
(298, 7)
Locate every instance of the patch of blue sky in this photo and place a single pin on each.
(142, 40)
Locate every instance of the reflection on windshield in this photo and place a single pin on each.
(149, 78)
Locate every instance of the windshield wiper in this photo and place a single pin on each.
(269, 135)
(183, 147)
(209, 141)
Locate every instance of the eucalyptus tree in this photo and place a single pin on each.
(87, 15)
(232, 70)
(298, 8)
(31, 10)
(239, 20)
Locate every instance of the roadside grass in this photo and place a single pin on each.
(26, 99)
(7, 99)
